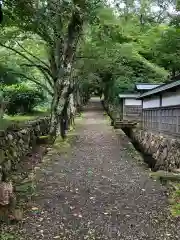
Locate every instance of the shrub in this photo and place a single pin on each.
(20, 98)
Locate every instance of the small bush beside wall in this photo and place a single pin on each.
(20, 98)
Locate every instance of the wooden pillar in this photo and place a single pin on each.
(142, 114)
(177, 121)
(123, 108)
(160, 113)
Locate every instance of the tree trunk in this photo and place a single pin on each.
(59, 116)
(63, 128)
(72, 109)
(61, 70)
(64, 117)
(54, 116)
(173, 72)
(2, 104)
(77, 100)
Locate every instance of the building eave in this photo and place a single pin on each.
(146, 86)
(129, 95)
(161, 88)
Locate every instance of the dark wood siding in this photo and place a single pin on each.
(132, 112)
(164, 119)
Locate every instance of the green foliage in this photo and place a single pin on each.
(21, 99)
(24, 118)
(19, 120)
(6, 77)
(167, 49)
(177, 5)
(117, 53)
(175, 200)
(134, 45)
(8, 236)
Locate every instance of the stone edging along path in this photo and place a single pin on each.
(16, 143)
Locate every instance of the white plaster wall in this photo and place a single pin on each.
(133, 102)
(152, 102)
(171, 98)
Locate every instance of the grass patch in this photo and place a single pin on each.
(71, 128)
(172, 182)
(26, 188)
(7, 120)
(61, 144)
(43, 139)
(8, 236)
(19, 118)
(79, 116)
(23, 118)
(175, 200)
(4, 123)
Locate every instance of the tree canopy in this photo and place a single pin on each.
(70, 49)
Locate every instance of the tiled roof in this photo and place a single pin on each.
(161, 88)
(146, 86)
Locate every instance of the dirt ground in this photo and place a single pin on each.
(95, 190)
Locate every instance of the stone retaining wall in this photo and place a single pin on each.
(161, 152)
(17, 142)
(165, 151)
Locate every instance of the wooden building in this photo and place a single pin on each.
(131, 104)
(161, 108)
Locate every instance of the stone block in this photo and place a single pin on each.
(164, 150)
(16, 143)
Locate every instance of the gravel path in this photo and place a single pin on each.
(97, 191)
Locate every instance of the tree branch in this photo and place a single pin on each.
(38, 66)
(53, 64)
(87, 57)
(33, 80)
(38, 59)
(74, 29)
(43, 69)
(18, 52)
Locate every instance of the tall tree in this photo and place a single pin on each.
(59, 23)
(114, 55)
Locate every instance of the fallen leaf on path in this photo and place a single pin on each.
(71, 207)
(34, 208)
(92, 198)
(105, 213)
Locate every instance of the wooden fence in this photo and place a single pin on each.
(132, 112)
(164, 119)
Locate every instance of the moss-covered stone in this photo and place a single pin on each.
(43, 139)
(16, 142)
(163, 149)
